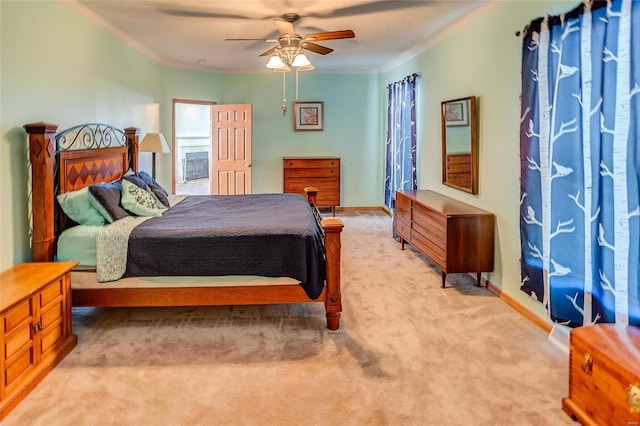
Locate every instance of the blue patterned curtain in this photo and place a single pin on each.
(580, 163)
(400, 162)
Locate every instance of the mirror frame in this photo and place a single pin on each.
(473, 187)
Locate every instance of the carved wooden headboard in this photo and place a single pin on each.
(77, 157)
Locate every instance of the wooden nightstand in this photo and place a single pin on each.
(35, 335)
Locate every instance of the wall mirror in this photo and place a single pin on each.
(460, 145)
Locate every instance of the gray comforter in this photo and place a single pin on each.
(272, 235)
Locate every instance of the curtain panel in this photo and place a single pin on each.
(400, 146)
(580, 163)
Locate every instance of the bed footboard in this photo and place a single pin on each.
(331, 228)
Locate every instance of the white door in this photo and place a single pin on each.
(231, 149)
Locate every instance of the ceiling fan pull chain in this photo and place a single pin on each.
(297, 84)
(284, 98)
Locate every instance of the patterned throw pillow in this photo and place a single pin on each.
(140, 201)
(155, 187)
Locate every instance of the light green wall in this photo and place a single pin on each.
(350, 129)
(57, 67)
(482, 59)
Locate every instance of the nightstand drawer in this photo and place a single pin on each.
(18, 315)
(52, 293)
(19, 339)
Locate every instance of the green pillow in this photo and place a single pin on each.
(140, 201)
(77, 205)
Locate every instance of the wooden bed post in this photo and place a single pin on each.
(312, 194)
(332, 247)
(42, 156)
(133, 138)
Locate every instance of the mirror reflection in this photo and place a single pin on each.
(459, 144)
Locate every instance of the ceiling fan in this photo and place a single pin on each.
(291, 46)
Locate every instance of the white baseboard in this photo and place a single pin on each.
(560, 336)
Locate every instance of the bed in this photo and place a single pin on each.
(98, 155)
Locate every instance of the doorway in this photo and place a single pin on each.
(193, 130)
(212, 148)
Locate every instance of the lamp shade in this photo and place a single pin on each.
(154, 142)
(275, 62)
(301, 60)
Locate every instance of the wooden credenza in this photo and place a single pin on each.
(456, 236)
(322, 173)
(36, 334)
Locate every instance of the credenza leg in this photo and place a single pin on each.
(444, 276)
(479, 281)
(401, 243)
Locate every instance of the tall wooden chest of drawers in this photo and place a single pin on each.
(320, 172)
(459, 169)
(456, 236)
(35, 309)
(604, 375)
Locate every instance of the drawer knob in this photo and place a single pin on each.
(587, 365)
(633, 396)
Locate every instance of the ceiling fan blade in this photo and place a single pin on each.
(268, 40)
(323, 50)
(379, 6)
(201, 14)
(285, 27)
(331, 35)
(269, 52)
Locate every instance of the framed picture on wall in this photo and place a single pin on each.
(308, 116)
(456, 113)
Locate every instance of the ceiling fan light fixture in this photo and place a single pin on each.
(275, 62)
(309, 67)
(301, 60)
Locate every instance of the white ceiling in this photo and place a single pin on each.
(192, 34)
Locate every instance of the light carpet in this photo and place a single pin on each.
(408, 353)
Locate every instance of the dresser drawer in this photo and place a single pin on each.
(21, 337)
(403, 229)
(328, 172)
(403, 215)
(51, 336)
(403, 203)
(18, 315)
(431, 249)
(20, 365)
(310, 163)
(52, 314)
(434, 224)
(52, 292)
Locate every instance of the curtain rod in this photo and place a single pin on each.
(413, 76)
(557, 19)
